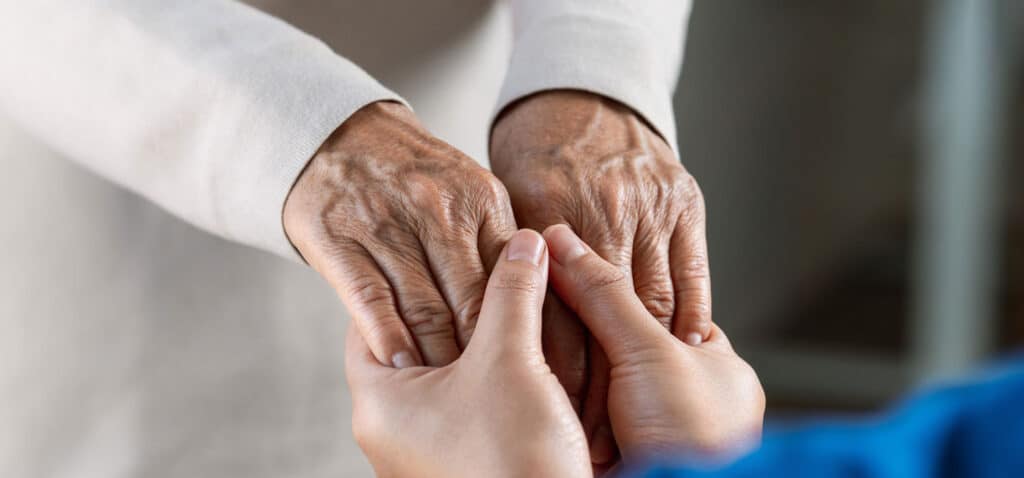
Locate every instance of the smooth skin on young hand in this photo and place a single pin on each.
(664, 395)
(578, 158)
(499, 411)
(496, 411)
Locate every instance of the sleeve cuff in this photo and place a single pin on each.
(285, 116)
(598, 55)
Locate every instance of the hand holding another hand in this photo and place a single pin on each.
(577, 158)
(497, 411)
(664, 395)
(500, 411)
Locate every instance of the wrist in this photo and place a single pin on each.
(543, 118)
(364, 128)
(541, 124)
(367, 129)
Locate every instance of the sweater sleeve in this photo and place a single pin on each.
(630, 51)
(211, 108)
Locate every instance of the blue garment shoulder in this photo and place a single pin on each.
(973, 428)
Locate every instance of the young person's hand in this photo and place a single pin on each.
(578, 158)
(495, 411)
(664, 395)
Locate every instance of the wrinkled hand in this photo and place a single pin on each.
(496, 411)
(580, 159)
(405, 228)
(664, 396)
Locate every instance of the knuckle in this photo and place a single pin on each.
(659, 301)
(694, 199)
(485, 191)
(615, 192)
(612, 246)
(694, 312)
(384, 330)
(492, 188)
(423, 191)
(427, 318)
(467, 311)
(520, 282)
(685, 187)
(693, 268)
(599, 279)
(370, 294)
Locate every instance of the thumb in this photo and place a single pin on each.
(362, 369)
(510, 315)
(602, 296)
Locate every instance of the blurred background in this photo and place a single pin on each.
(859, 162)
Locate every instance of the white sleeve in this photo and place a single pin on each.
(627, 50)
(209, 108)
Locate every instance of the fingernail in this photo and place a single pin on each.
(694, 339)
(602, 446)
(526, 245)
(564, 244)
(403, 359)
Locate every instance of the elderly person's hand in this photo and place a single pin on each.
(580, 159)
(497, 411)
(405, 228)
(665, 396)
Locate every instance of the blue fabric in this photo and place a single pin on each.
(972, 429)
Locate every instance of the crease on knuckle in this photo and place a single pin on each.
(370, 295)
(515, 281)
(427, 318)
(693, 268)
(467, 310)
(602, 279)
(695, 312)
(381, 329)
(659, 301)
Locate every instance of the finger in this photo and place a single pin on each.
(691, 277)
(456, 265)
(368, 295)
(595, 420)
(497, 227)
(511, 310)
(601, 295)
(422, 308)
(563, 336)
(564, 339)
(462, 257)
(652, 276)
(361, 366)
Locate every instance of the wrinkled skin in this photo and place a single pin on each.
(500, 411)
(570, 157)
(405, 228)
(665, 396)
(497, 411)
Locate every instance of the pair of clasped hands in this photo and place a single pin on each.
(498, 410)
(415, 237)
